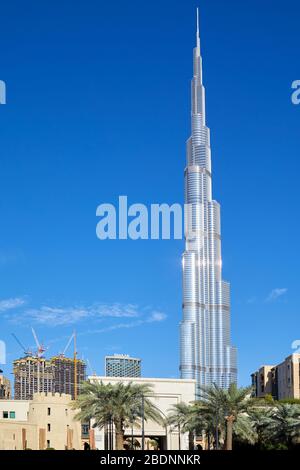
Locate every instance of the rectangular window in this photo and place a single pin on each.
(85, 430)
(5, 414)
(48, 443)
(49, 411)
(49, 427)
(12, 414)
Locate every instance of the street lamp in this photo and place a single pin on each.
(143, 422)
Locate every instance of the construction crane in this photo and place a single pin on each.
(26, 351)
(62, 354)
(90, 367)
(40, 347)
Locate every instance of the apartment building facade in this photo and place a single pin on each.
(282, 381)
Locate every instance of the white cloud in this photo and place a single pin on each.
(60, 316)
(55, 316)
(118, 326)
(156, 317)
(115, 310)
(9, 304)
(276, 293)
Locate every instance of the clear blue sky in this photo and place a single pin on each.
(98, 105)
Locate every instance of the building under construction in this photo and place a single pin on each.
(32, 375)
(57, 374)
(68, 374)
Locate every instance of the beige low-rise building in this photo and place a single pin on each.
(281, 381)
(5, 387)
(287, 377)
(14, 410)
(166, 393)
(46, 421)
(262, 381)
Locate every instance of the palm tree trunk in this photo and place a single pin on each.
(119, 436)
(111, 437)
(191, 441)
(229, 427)
(217, 438)
(289, 443)
(208, 441)
(119, 440)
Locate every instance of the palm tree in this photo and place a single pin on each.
(224, 406)
(186, 419)
(132, 444)
(154, 443)
(283, 426)
(210, 407)
(244, 429)
(259, 417)
(206, 421)
(237, 401)
(118, 403)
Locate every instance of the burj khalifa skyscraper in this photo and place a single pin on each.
(206, 353)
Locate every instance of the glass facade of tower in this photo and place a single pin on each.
(206, 353)
(120, 365)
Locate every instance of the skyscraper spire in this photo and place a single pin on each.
(205, 347)
(198, 33)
